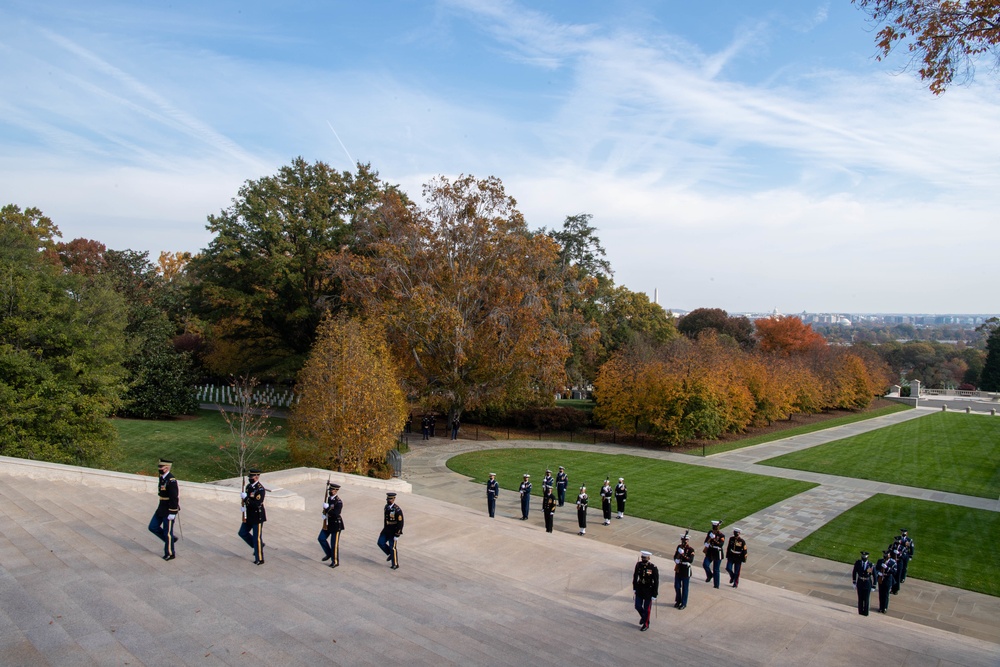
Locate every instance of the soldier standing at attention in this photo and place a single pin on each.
(645, 585)
(547, 481)
(906, 554)
(392, 530)
(581, 510)
(621, 494)
(562, 482)
(492, 491)
(333, 523)
(251, 530)
(606, 501)
(863, 576)
(525, 491)
(883, 575)
(683, 562)
(548, 508)
(736, 555)
(162, 523)
(714, 542)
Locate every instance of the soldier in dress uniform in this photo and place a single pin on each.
(548, 481)
(683, 563)
(525, 491)
(621, 495)
(714, 543)
(433, 424)
(333, 524)
(581, 510)
(454, 428)
(863, 577)
(896, 552)
(492, 491)
(736, 555)
(162, 523)
(606, 501)
(392, 530)
(645, 586)
(562, 483)
(883, 575)
(254, 516)
(548, 508)
(425, 428)
(906, 553)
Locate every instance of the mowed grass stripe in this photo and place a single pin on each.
(663, 491)
(944, 451)
(193, 446)
(953, 545)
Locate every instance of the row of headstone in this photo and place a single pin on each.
(226, 395)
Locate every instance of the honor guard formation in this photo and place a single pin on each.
(884, 576)
(888, 574)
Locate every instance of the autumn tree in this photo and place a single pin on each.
(465, 292)
(946, 38)
(739, 328)
(262, 283)
(351, 407)
(61, 345)
(786, 335)
(989, 379)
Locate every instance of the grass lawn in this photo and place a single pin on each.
(664, 491)
(945, 451)
(578, 403)
(719, 447)
(952, 545)
(192, 444)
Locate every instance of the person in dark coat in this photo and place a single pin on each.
(548, 508)
(606, 494)
(863, 577)
(645, 586)
(254, 516)
(392, 530)
(683, 562)
(884, 572)
(736, 555)
(162, 523)
(525, 491)
(715, 541)
(492, 491)
(621, 495)
(581, 510)
(562, 483)
(333, 524)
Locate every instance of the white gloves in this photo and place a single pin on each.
(326, 506)
(243, 495)
(171, 517)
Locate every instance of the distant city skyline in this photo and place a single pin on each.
(737, 155)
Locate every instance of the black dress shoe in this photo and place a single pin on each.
(334, 564)
(325, 558)
(643, 628)
(389, 558)
(393, 567)
(683, 606)
(171, 557)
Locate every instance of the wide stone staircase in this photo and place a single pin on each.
(82, 583)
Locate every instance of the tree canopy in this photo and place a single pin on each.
(990, 377)
(262, 283)
(351, 407)
(945, 38)
(61, 345)
(465, 292)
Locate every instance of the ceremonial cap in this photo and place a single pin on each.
(390, 494)
(493, 474)
(526, 475)
(737, 531)
(864, 553)
(334, 486)
(254, 471)
(716, 523)
(645, 554)
(548, 471)
(165, 462)
(621, 479)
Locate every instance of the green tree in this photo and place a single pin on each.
(465, 292)
(944, 37)
(262, 283)
(351, 407)
(738, 328)
(61, 345)
(989, 380)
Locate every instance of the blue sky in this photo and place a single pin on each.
(734, 154)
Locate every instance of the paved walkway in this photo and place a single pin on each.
(770, 531)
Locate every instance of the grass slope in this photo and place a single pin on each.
(944, 451)
(192, 444)
(953, 545)
(664, 491)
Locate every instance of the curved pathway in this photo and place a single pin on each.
(770, 532)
